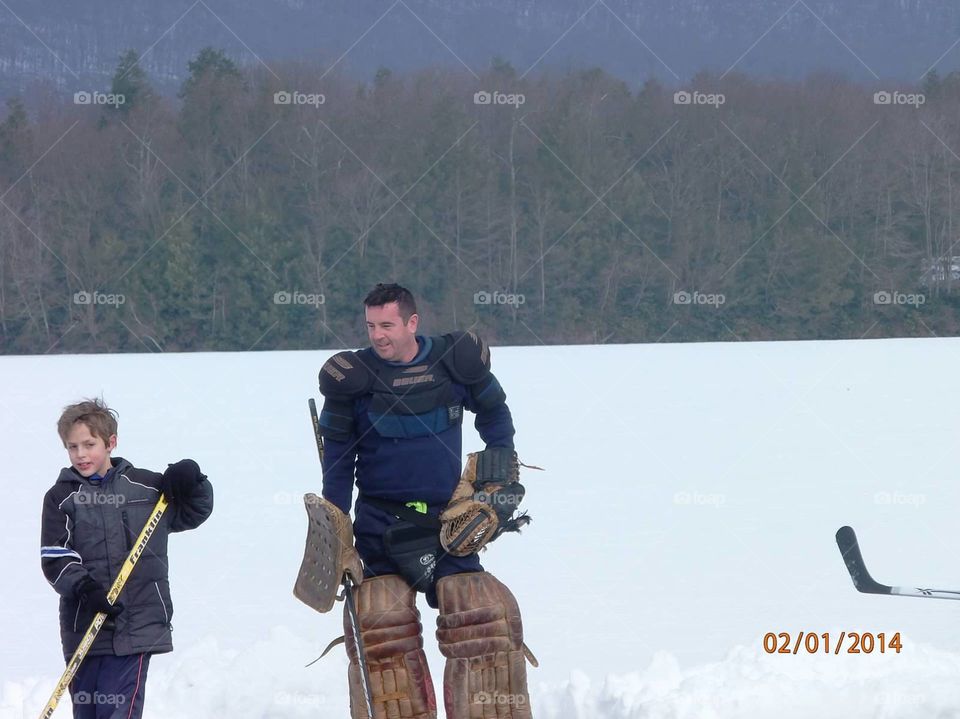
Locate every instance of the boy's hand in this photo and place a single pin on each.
(180, 478)
(92, 593)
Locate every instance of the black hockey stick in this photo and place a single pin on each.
(315, 421)
(347, 587)
(361, 652)
(850, 550)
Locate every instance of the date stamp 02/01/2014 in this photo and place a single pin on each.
(845, 642)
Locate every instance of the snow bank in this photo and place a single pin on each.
(207, 680)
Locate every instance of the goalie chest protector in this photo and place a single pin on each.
(412, 400)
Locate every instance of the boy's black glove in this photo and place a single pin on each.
(180, 478)
(91, 593)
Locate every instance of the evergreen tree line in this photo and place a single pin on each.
(256, 208)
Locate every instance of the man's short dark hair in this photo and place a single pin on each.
(384, 294)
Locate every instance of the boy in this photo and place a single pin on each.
(91, 517)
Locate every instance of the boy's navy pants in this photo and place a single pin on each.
(110, 687)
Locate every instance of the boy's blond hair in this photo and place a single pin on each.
(100, 419)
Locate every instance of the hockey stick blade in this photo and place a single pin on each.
(850, 551)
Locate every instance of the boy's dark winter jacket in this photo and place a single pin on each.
(88, 529)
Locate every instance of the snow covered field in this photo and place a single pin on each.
(688, 508)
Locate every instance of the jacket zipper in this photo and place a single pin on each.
(126, 530)
(162, 603)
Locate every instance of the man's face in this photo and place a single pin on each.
(391, 338)
(89, 455)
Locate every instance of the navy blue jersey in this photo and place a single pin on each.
(388, 456)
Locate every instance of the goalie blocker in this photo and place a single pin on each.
(328, 554)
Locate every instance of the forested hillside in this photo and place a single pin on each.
(256, 208)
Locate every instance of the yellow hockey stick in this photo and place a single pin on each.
(100, 618)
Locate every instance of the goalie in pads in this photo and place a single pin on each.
(391, 422)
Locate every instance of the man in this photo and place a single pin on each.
(391, 421)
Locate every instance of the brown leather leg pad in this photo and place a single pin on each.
(481, 634)
(393, 642)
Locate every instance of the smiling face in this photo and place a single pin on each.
(89, 454)
(391, 338)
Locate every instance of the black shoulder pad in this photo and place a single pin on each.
(344, 376)
(336, 420)
(467, 358)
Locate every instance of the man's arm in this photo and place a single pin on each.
(467, 358)
(494, 422)
(343, 378)
(339, 452)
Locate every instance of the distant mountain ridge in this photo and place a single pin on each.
(75, 45)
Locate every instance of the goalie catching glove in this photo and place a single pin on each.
(484, 504)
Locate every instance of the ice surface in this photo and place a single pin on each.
(689, 505)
